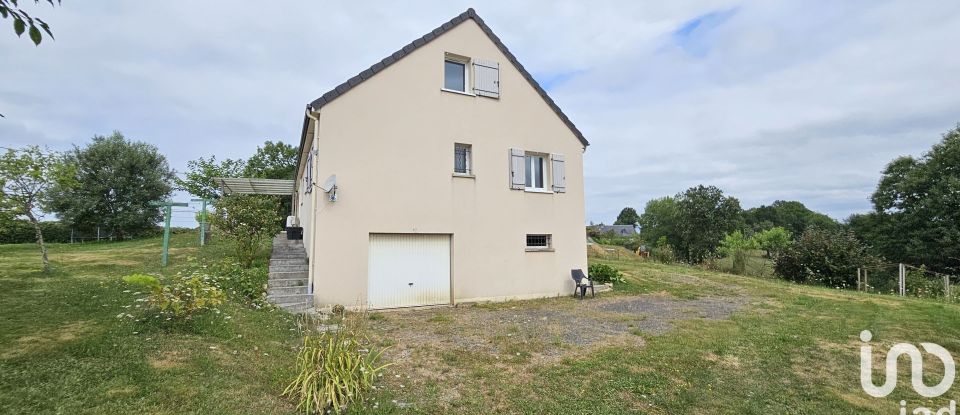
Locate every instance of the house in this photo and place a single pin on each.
(442, 174)
(619, 230)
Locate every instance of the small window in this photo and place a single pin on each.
(538, 242)
(455, 75)
(461, 159)
(534, 169)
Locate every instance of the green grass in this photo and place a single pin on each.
(792, 349)
(63, 350)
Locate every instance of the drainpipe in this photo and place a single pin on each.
(313, 204)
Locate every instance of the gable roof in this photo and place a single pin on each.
(416, 44)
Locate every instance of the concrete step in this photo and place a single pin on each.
(291, 290)
(288, 274)
(290, 298)
(280, 247)
(289, 268)
(287, 282)
(297, 308)
(288, 255)
(282, 261)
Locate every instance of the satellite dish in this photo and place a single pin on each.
(329, 184)
(330, 187)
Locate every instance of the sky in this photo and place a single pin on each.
(767, 100)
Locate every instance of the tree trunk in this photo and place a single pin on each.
(43, 247)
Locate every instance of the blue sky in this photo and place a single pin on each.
(791, 100)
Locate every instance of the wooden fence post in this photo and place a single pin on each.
(859, 283)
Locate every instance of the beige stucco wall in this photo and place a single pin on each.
(390, 142)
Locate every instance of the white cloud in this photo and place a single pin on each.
(776, 100)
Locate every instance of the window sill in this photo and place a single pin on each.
(465, 175)
(539, 249)
(454, 91)
(536, 190)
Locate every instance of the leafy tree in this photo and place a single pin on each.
(703, 217)
(737, 246)
(824, 256)
(917, 208)
(790, 215)
(23, 22)
(198, 180)
(26, 177)
(273, 161)
(773, 240)
(114, 181)
(659, 220)
(627, 216)
(247, 219)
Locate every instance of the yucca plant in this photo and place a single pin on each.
(335, 369)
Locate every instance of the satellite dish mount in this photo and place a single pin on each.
(330, 187)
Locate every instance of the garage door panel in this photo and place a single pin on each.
(407, 270)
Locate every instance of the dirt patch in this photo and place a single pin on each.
(167, 360)
(47, 339)
(728, 361)
(544, 330)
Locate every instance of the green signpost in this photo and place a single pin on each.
(203, 219)
(167, 213)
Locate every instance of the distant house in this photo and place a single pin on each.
(620, 230)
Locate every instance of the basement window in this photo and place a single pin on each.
(539, 242)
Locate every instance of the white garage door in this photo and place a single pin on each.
(407, 270)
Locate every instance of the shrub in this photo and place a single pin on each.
(663, 252)
(919, 284)
(737, 247)
(603, 273)
(248, 284)
(828, 257)
(335, 369)
(144, 280)
(247, 219)
(773, 240)
(181, 296)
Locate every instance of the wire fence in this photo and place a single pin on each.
(908, 281)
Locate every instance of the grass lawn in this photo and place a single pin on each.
(673, 339)
(63, 349)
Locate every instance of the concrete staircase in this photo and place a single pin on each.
(287, 286)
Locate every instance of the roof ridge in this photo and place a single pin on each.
(470, 13)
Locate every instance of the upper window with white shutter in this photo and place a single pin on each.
(476, 77)
(456, 76)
